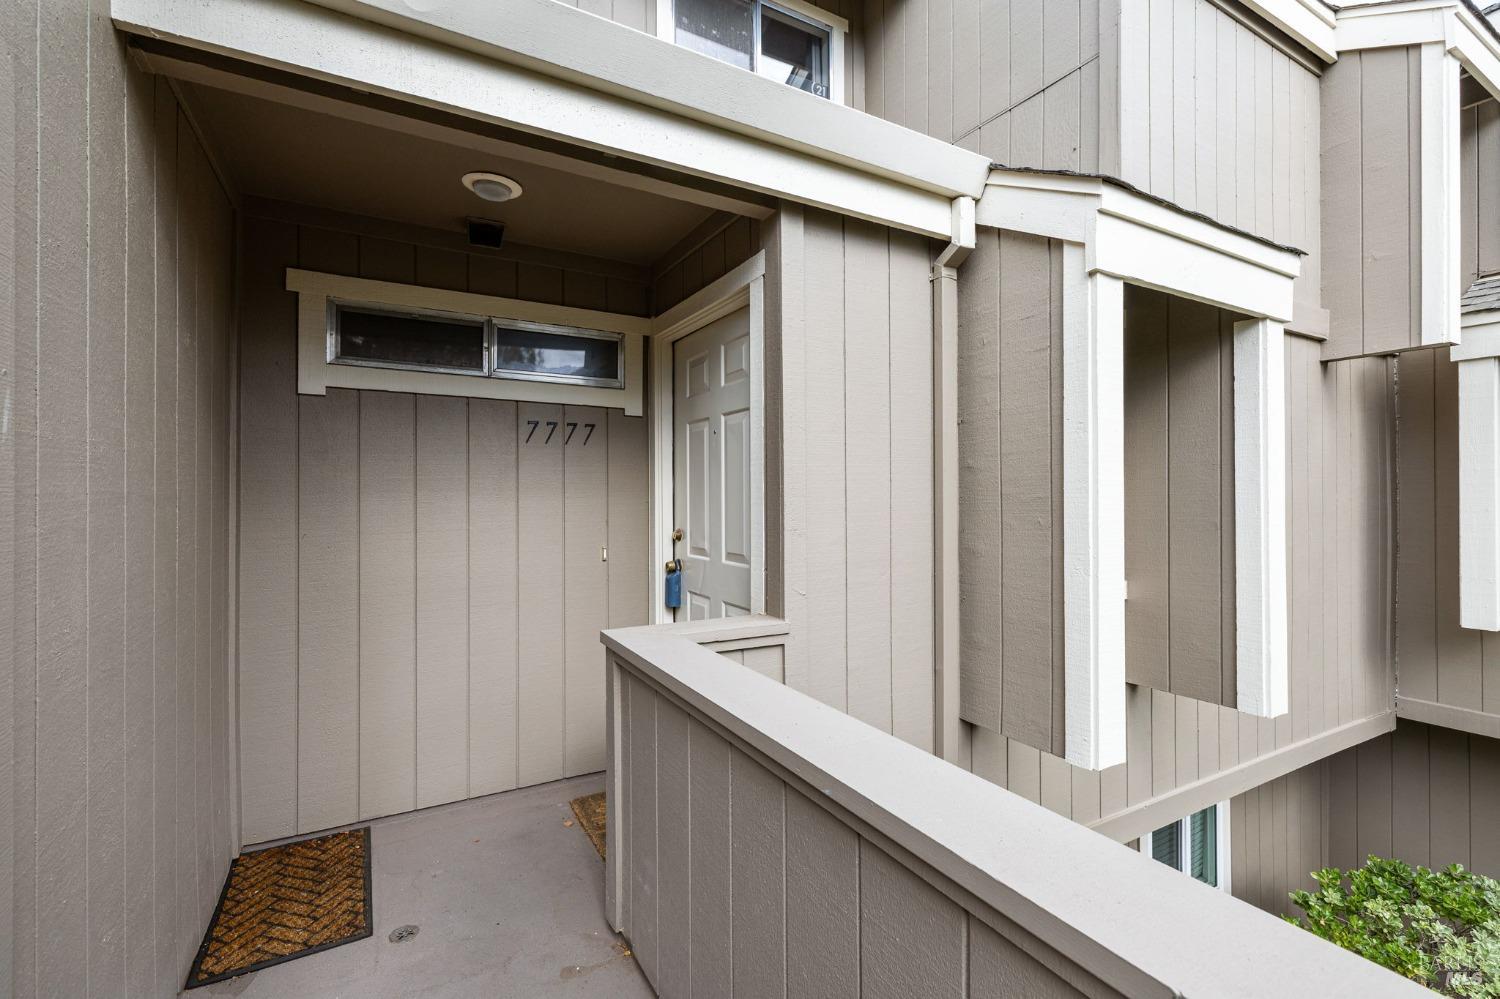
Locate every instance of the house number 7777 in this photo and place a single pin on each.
(570, 429)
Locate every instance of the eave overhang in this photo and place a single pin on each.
(544, 68)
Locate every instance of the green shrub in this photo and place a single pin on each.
(1439, 928)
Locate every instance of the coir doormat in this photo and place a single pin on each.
(285, 902)
(590, 812)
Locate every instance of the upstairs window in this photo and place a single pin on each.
(788, 41)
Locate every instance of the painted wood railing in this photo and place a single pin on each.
(764, 844)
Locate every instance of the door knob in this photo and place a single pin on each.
(676, 534)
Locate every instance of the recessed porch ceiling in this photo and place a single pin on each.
(293, 154)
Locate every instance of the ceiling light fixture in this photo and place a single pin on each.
(492, 186)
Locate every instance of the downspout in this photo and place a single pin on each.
(949, 741)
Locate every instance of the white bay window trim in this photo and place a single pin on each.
(1111, 237)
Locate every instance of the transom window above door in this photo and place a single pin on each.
(787, 41)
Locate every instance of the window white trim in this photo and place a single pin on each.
(838, 35)
(1221, 845)
(316, 372)
(744, 286)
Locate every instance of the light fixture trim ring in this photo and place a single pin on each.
(474, 180)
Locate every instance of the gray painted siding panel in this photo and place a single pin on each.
(1423, 794)
(1016, 80)
(688, 269)
(1439, 661)
(863, 287)
(114, 811)
(1179, 522)
(1277, 838)
(424, 673)
(1370, 198)
(817, 909)
(1009, 519)
(1480, 172)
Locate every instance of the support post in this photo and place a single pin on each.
(1260, 517)
(1093, 512)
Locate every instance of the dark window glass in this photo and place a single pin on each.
(1166, 845)
(1204, 850)
(410, 340)
(549, 356)
(793, 52)
(724, 29)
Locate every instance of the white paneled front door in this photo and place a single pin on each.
(711, 467)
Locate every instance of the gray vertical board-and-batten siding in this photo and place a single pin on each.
(116, 244)
(1010, 488)
(849, 438)
(1372, 202)
(704, 256)
(1339, 452)
(1479, 200)
(1437, 660)
(1229, 122)
(1423, 794)
(421, 587)
(1179, 496)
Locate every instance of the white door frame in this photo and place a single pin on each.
(743, 286)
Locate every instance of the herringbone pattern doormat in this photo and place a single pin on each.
(286, 902)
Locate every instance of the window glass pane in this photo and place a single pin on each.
(724, 29)
(793, 51)
(1166, 845)
(411, 340)
(545, 356)
(1204, 846)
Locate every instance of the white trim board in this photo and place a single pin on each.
(1309, 22)
(1478, 360)
(1139, 240)
(515, 63)
(316, 374)
(1260, 610)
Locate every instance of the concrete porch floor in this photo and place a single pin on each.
(508, 901)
